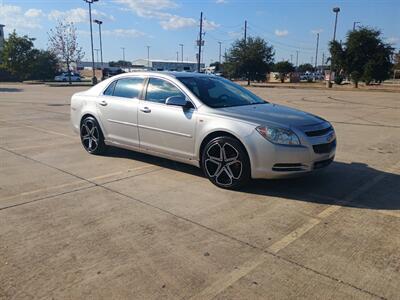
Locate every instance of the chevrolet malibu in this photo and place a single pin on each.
(202, 120)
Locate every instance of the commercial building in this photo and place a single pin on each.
(166, 65)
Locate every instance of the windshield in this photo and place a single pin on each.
(218, 92)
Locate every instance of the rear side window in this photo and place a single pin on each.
(159, 90)
(110, 90)
(128, 87)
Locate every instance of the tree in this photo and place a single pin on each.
(217, 65)
(63, 44)
(18, 55)
(251, 58)
(44, 65)
(283, 68)
(305, 68)
(364, 56)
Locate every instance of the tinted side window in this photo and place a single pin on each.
(110, 90)
(159, 90)
(128, 87)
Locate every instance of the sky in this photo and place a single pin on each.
(289, 25)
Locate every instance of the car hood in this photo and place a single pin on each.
(270, 114)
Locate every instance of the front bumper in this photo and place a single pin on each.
(270, 160)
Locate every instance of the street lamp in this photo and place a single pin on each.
(148, 57)
(90, 2)
(336, 10)
(101, 44)
(181, 51)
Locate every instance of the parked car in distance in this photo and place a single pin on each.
(203, 120)
(65, 77)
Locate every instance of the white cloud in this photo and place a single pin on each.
(33, 13)
(132, 33)
(315, 31)
(177, 22)
(392, 40)
(221, 1)
(210, 25)
(281, 32)
(158, 9)
(14, 17)
(78, 15)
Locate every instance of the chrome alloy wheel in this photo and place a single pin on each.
(223, 163)
(90, 135)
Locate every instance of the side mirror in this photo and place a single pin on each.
(176, 100)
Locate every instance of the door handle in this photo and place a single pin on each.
(145, 110)
(103, 103)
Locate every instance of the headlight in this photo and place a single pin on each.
(278, 135)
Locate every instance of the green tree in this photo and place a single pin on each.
(251, 58)
(305, 67)
(283, 68)
(18, 55)
(364, 56)
(44, 65)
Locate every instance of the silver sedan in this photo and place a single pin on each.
(205, 121)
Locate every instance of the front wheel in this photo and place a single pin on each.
(91, 136)
(226, 163)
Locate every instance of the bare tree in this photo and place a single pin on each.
(63, 43)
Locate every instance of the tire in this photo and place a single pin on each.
(92, 137)
(225, 163)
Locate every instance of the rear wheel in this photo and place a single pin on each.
(91, 136)
(225, 162)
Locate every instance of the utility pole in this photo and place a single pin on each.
(297, 58)
(316, 52)
(177, 56)
(200, 41)
(291, 58)
(323, 60)
(181, 51)
(245, 31)
(219, 51)
(148, 57)
(354, 25)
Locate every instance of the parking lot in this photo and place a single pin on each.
(130, 226)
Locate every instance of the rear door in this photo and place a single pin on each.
(118, 108)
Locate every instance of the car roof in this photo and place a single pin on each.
(168, 73)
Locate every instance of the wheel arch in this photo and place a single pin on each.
(89, 114)
(219, 133)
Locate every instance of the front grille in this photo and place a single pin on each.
(324, 148)
(319, 132)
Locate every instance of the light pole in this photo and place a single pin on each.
(90, 2)
(101, 44)
(181, 51)
(354, 25)
(336, 10)
(220, 43)
(97, 57)
(177, 56)
(148, 57)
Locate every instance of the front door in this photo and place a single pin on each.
(118, 107)
(165, 128)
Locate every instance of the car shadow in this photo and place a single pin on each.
(336, 184)
(10, 90)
